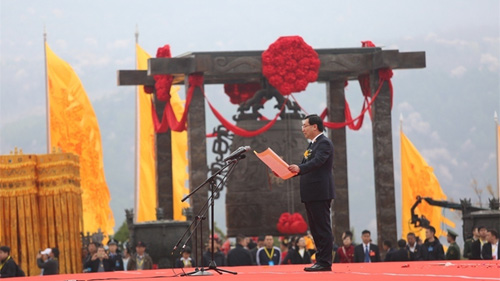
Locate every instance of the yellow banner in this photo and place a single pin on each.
(74, 128)
(417, 178)
(180, 175)
(146, 198)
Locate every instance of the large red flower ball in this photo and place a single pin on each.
(290, 64)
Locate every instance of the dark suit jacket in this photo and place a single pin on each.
(475, 250)
(416, 255)
(402, 254)
(316, 172)
(487, 254)
(293, 257)
(94, 265)
(50, 267)
(359, 253)
(239, 256)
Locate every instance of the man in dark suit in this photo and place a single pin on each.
(402, 253)
(316, 189)
(491, 250)
(239, 255)
(413, 247)
(366, 251)
(477, 246)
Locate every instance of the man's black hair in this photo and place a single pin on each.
(314, 119)
(401, 243)
(494, 233)
(365, 232)
(55, 251)
(432, 229)
(5, 249)
(388, 243)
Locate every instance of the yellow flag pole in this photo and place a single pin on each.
(47, 102)
(497, 133)
(137, 135)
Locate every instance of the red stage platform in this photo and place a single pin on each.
(390, 271)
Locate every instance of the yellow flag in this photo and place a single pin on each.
(74, 128)
(145, 197)
(179, 160)
(417, 178)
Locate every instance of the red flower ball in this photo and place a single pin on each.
(289, 64)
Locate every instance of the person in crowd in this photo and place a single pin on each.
(91, 251)
(285, 243)
(50, 263)
(468, 243)
(366, 251)
(491, 251)
(432, 249)
(311, 248)
(218, 255)
(140, 260)
(125, 257)
(239, 255)
(260, 244)
(413, 247)
(114, 256)
(387, 246)
(345, 254)
(269, 254)
(185, 260)
(477, 246)
(8, 267)
(317, 189)
(453, 252)
(100, 261)
(298, 254)
(402, 253)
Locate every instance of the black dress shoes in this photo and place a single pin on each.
(318, 267)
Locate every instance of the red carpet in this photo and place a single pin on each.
(391, 271)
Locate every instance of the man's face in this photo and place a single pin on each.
(482, 233)
(245, 241)
(3, 255)
(308, 129)
(269, 241)
(92, 248)
(449, 239)
(366, 238)
(411, 239)
(186, 255)
(475, 232)
(112, 248)
(490, 238)
(140, 250)
(100, 252)
(428, 234)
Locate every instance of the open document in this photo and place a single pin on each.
(277, 165)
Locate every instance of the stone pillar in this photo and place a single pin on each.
(340, 210)
(164, 166)
(197, 157)
(383, 162)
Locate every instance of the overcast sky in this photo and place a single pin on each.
(448, 107)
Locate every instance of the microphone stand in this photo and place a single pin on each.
(201, 215)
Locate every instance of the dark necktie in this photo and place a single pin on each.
(367, 254)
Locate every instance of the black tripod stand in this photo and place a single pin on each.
(202, 215)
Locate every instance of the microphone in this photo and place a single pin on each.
(237, 153)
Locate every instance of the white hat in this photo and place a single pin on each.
(46, 251)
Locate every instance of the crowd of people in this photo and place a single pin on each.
(482, 245)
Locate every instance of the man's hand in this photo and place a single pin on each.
(294, 169)
(94, 257)
(39, 256)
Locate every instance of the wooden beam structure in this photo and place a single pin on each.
(336, 67)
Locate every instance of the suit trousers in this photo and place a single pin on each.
(318, 215)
